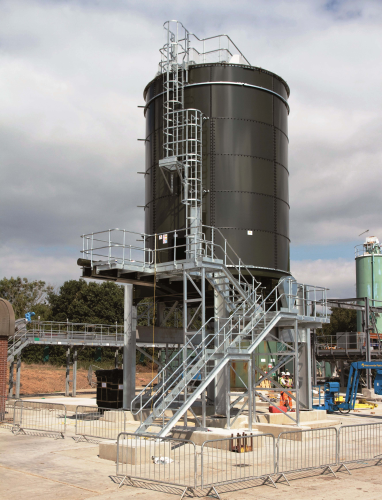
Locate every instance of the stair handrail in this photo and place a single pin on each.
(239, 266)
(148, 389)
(185, 348)
(187, 362)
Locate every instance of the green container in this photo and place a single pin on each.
(369, 283)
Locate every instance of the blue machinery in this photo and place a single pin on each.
(332, 389)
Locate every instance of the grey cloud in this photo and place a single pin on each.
(73, 72)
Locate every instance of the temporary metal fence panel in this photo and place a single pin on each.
(7, 406)
(96, 422)
(360, 442)
(161, 460)
(307, 449)
(237, 459)
(38, 416)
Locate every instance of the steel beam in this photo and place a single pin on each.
(67, 375)
(74, 386)
(11, 384)
(129, 345)
(18, 376)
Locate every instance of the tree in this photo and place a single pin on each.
(341, 320)
(26, 296)
(82, 302)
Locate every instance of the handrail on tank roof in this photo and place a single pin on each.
(166, 25)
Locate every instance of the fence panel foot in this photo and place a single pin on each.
(216, 493)
(340, 467)
(268, 478)
(185, 491)
(123, 481)
(327, 467)
(282, 475)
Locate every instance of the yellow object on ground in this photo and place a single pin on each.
(361, 405)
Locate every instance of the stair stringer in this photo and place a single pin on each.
(216, 370)
(11, 355)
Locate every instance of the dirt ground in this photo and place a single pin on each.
(45, 378)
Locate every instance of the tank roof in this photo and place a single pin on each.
(207, 65)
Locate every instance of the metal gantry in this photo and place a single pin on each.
(198, 256)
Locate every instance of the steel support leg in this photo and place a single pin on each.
(296, 370)
(185, 323)
(11, 384)
(314, 362)
(203, 290)
(367, 331)
(250, 394)
(253, 374)
(222, 382)
(67, 377)
(74, 387)
(18, 375)
(129, 349)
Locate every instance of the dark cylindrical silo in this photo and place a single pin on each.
(245, 161)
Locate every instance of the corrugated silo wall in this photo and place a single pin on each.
(245, 160)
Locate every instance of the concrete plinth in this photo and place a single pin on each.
(277, 429)
(280, 418)
(221, 422)
(134, 451)
(198, 437)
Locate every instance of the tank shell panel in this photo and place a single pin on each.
(245, 161)
(369, 283)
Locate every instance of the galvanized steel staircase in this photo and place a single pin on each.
(19, 340)
(251, 319)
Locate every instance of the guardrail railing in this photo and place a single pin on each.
(161, 460)
(359, 442)
(37, 416)
(102, 423)
(307, 449)
(237, 459)
(244, 458)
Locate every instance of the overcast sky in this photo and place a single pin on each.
(72, 74)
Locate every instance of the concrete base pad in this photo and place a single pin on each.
(221, 422)
(198, 437)
(280, 418)
(137, 452)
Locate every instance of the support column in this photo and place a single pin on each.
(250, 394)
(7, 329)
(222, 381)
(296, 381)
(160, 308)
(203, 290)
(253, 375)
(11, 384)
(129, 347)
(314, 361)
(67, 377)
(303, 376)
(116, 359)
(18, 376)
(74, 389)
(185, 324)
(367, 331)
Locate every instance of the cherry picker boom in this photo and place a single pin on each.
(332, 389)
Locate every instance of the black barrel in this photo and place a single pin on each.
(109, 388)
(245, 161)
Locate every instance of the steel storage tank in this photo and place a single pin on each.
(245, 161)
(368, 264)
